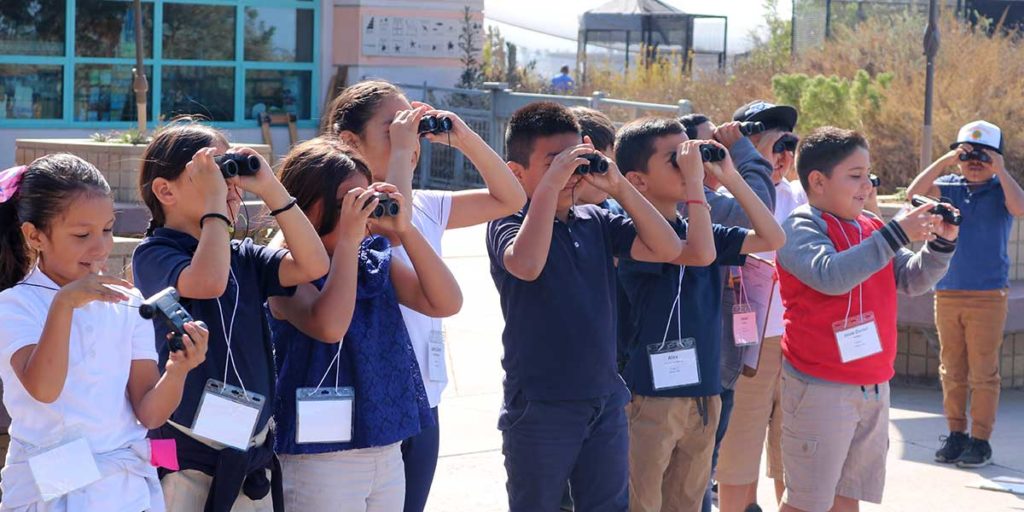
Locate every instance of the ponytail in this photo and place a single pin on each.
(14, 255)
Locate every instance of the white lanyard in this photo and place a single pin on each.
(860, 287)
(677, 308)
(228, 330)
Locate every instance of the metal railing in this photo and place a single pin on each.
(487, 111)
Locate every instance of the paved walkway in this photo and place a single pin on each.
(471, 477)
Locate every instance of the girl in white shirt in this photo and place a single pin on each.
(78, 362)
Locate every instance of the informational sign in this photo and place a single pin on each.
(399, 36)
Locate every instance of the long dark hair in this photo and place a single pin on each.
(354, 107)
(44, 192)
(312, 173)
(166, 157)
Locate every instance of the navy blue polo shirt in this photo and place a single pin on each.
(157, 263)
(981, 261)
(652, 288)
(559, 335)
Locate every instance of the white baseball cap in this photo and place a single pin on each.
(980, 133)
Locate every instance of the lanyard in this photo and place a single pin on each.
(676, 308)
(334, 362)
(860, 287)
(228, 329)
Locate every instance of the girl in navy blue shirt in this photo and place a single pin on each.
(349, 388)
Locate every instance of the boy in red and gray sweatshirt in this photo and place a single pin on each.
(839, 273)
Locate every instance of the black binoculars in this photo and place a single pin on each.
(711, 153)
(165, 304)
(386, 206)
(597, 165)
(749, 128)
(237, 164)
(949, 215)
(434, 124)
(975, 154)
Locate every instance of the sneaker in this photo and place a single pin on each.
(978, 454)
(753, 507)
(953, 447)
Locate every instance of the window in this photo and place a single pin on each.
(201, 32)
(209, 91)
(106, 28)
(103, 92)
(277, 91)
(69, 62)
(280, 35)
(33, 27)
(31, 92)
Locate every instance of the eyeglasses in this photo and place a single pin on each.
(787, 142)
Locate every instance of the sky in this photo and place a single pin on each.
(561, 18)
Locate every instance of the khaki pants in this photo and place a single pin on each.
(670, 450)
(755, 412)
(186, 491)
(363, 480)
(970, 325)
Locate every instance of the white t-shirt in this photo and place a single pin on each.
(105, 339)
(431, 209)
(789, 195)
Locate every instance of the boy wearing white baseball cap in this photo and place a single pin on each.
(971, 300)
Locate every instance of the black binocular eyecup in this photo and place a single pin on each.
(976, 155)
(236, 164)
(386, 206)
(749, 128)
(711, 153)
(434, 124)
(597, 164)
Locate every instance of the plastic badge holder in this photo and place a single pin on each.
(228, 414)
(324, 415)
(857, 337)
(674, 364)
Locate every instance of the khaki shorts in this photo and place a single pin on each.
(835, 439)
(755, 410)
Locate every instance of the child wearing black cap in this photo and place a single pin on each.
(972, 297)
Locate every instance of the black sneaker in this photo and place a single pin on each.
(753, 507)
(978, 454)
(953, 447)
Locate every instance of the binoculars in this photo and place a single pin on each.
(386, 206)
(749, 128)
(975, 154)
(165, 305)
(434, 124)
(875, 180)
(236, 164)
(597, 165)
(708, 153)
(949, 216)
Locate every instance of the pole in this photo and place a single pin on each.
(931, 48)
(140, 85)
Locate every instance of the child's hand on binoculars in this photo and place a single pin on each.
(260, 183)
(404, 131)
(205, 177)
(398, 224)
(355, 212)
(459, 134)
(195, 340)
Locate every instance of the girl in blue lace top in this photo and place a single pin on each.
(349, 387)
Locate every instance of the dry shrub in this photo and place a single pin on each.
(978, 76)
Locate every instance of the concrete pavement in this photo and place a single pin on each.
(471, 477)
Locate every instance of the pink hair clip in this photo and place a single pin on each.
(9, 181)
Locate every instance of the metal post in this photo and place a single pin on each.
(931, 48)
(140, 85)
(828, 19)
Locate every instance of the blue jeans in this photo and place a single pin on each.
(585, 442)
(420, 456)
(723, 425)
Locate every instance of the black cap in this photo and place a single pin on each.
(773, 116)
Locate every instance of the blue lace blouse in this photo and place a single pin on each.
(377, 360)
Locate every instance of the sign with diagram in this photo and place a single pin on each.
(400, 36)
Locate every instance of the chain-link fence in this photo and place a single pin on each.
(815, 20)
(487, 113)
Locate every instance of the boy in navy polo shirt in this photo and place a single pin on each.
(674, 349)
(971, 300)
(552, 264)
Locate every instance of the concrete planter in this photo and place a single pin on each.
(119, 164)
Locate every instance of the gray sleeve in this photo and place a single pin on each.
(757, 173)
(917, 272)
(811, 256)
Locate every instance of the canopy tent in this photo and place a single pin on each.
(630, 31)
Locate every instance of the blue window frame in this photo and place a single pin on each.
(226, 59)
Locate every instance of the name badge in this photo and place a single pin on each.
(857, 337)
(227, 414)
(324, 415)
(63, 469)
(744, 325)
(436, 369)
(674, 363)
